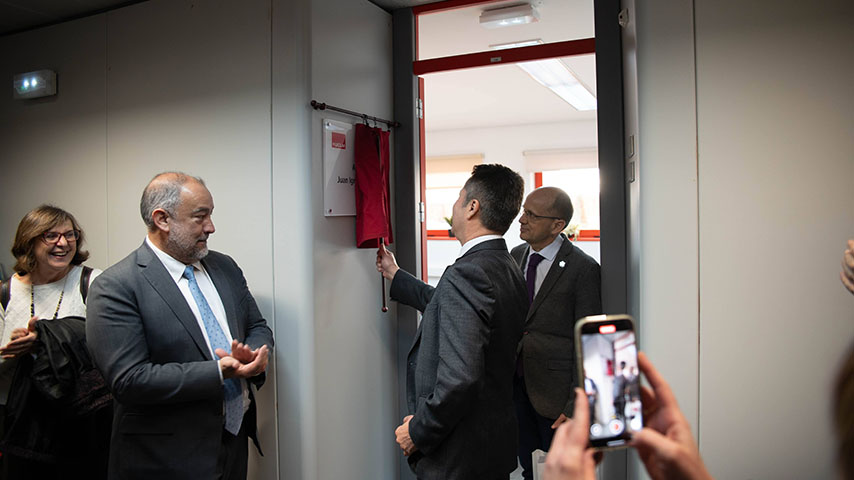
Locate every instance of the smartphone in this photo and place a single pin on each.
(607, 350)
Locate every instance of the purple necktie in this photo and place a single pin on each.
(531, 274)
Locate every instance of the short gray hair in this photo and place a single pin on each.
(164, 192)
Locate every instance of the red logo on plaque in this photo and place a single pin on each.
(339, 140)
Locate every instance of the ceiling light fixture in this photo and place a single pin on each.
(520, 43)
(557, 77)
(507, 16)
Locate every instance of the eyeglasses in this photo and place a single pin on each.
(71, 236)
(533, 216)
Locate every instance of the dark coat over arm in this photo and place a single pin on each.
(571, 290)
(146, 341)
(461, 364)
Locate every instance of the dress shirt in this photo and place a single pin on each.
(475, 241)
(548, 253)
(175, 268)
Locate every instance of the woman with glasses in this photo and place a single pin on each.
(56, 412)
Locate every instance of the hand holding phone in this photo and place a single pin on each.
(608, 364)
(666, 446)
(569, 458)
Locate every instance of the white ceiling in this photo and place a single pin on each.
(501, 95)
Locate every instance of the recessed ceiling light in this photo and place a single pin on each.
(557, 77)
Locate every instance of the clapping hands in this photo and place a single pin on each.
(242, 362)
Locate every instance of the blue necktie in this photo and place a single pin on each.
(233, 397)
(531, 274)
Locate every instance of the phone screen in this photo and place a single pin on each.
(611, 380)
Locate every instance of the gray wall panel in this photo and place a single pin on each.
(53, 149)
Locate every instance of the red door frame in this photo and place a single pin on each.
(567, 48)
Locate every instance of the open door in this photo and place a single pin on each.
(410, 153)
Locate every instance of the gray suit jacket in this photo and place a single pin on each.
(459, 381)
(568, 293)
(168, 419)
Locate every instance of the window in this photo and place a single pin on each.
(445, 177)
(582, 185)
(575, 171)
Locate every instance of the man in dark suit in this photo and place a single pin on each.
(181, 344)
(563, 286)
(459, 381)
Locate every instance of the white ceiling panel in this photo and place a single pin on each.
(458, 31)
(501, 95)
(493, 96)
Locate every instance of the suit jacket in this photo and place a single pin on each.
(144, 338)
(459, 379)
(571, 290)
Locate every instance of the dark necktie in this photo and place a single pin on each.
(233, 391)
(531, 274)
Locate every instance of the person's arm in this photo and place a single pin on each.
(116, 339)
(666, 445)
(251, 354)
(466, 307)
(408, 290)
(21, 341)
(405, 288)
(588, 292)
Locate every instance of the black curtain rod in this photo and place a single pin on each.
(322, 106)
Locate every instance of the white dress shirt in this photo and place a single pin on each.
(549, 252)
(475, 241)
(176, 271)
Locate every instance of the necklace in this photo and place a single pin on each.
(33, 301)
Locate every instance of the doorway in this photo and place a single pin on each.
(518, 91)
(410, 171)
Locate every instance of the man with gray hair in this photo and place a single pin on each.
(181, 344)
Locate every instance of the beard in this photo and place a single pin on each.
(184, 246)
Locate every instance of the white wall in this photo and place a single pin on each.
(775, 143)
(667, 213)
(293, 240)
(746, 132)
(355, 343)
(221, 90)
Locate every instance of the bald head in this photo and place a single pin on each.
(557, 202)
(545, 213)
(164, 192)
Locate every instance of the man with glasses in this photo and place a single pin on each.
(563, 285)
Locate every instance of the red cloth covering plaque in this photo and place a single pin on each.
(373, 212)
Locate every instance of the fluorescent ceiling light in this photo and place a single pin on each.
(557, 77)
(520, 43)
(507, 16)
